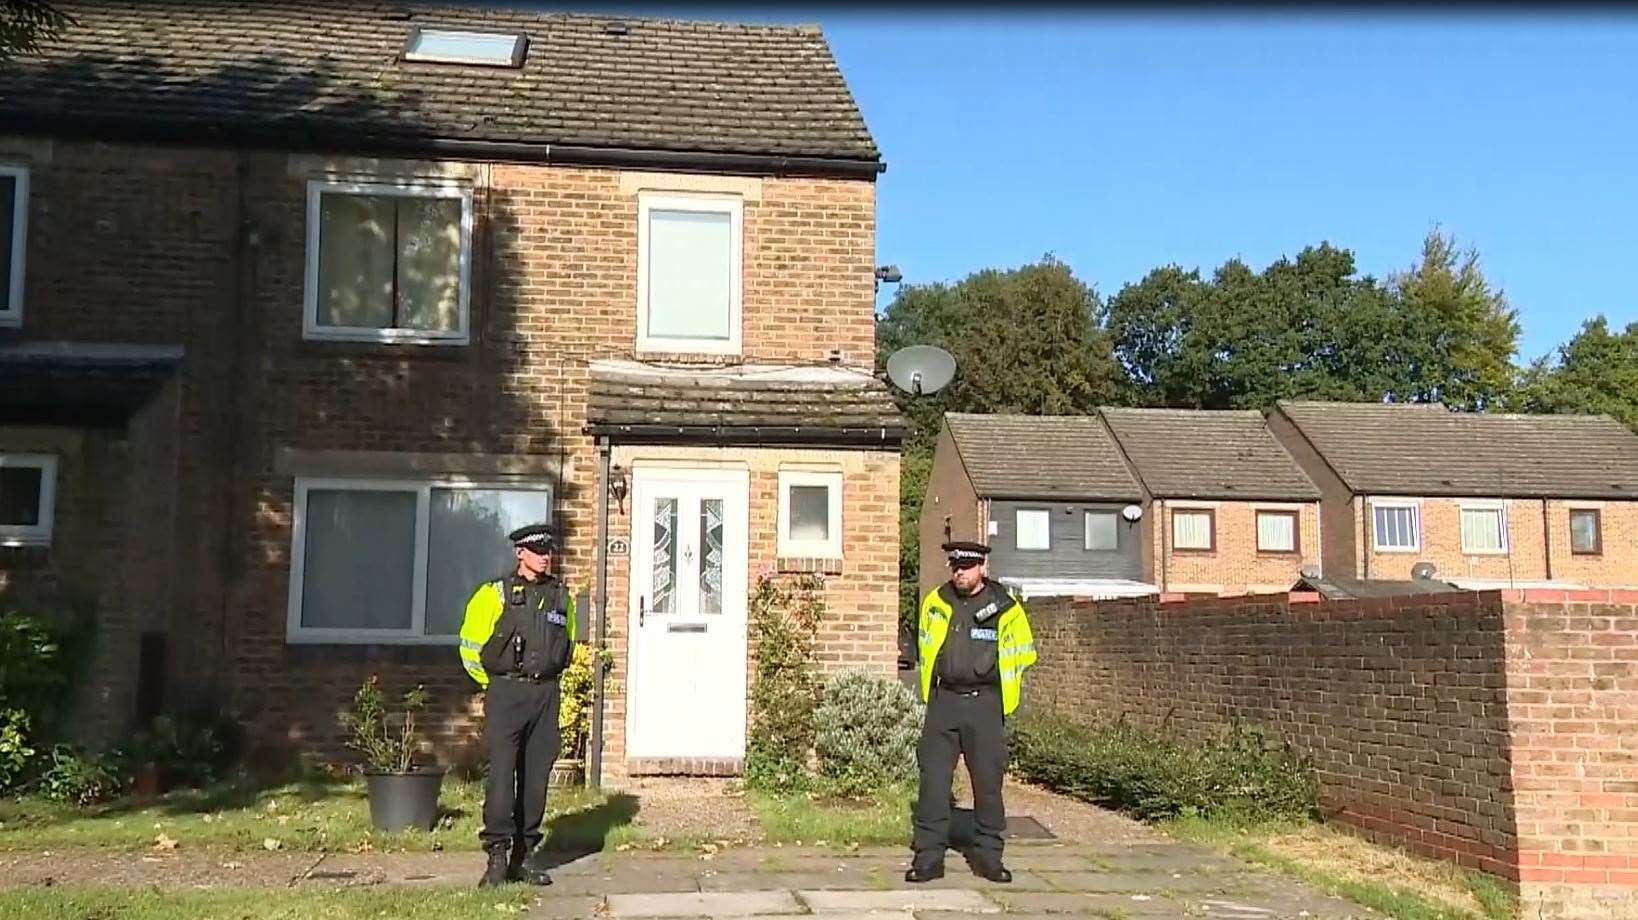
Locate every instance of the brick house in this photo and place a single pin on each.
(1489, 500)
(1124, 503)
(1228, 510)
(309, 303)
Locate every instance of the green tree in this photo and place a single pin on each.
(1025, 340)
(1468, 332)
(26, 23)
(1596, 371)
(1303, 327)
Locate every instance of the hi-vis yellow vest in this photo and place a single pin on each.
(1015, 646)
(483, 611)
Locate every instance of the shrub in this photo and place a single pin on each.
(80, 778)
(372, 736)
(785, 615)
(1237, 774)
(15, 751)
(574, 716)
(196, 746)
(41, 658)
(866, 728)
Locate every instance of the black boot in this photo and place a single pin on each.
(495, 874)
(533, 869)
(924, 869)
(988, 868)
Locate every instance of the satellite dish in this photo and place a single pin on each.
(1423, 571)
(921, 369)
(1131, 513)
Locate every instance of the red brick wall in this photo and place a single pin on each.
(1401, 704)
(1572, 677)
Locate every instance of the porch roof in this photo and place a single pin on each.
(89, 384)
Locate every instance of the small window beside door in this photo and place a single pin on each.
(28, 491)
(1102, 534)
(1034, 526)
(1194, 529)
(389, 262)
(688, 274)
(810, 514)
(1586, 532)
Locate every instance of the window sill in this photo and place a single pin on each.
(1588, 553)
(1484, 553)
(385, 337)
(1398, 550)
(649, 353)
(1179, 551)
(807, 565)
(396, 351)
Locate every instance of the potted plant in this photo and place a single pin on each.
(403, 790)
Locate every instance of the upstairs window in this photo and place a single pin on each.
(1276, 531)
(1484, 529)
(1396, 528)
(1101, 533)
(28, 490)
(1034, 526)
(453, 46)
(688, 274)
(1586, 532)
(388, 262)
(1194, 529)
(13, 239)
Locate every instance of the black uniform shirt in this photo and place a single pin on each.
(968, 658)
(537, 613)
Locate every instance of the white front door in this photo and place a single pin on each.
(688, 606)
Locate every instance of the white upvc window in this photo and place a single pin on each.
(1396, 526)
(1484, 528)
(389, 262)
(394, 561)
(1034, 528)
(1102, 531)
(28, 499)
(810, 514)
(689, 256)
(13, 241)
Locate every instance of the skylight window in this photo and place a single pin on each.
(450, 46)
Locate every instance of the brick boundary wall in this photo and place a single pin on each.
(1498, 730)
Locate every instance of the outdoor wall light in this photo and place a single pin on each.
(618, 486)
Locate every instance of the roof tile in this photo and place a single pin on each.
(1041, 456)
(1218, 454)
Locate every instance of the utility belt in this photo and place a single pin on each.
(970, 692)
(523, 677)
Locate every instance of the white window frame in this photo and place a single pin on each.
(1416, 516)
(1086, 531)
(417, 188)
(13, 315)
(37, 534)
(297, 634)
(734, 207)
(810, 549)
(1498, 506)
(1018, 529)
(513, 59)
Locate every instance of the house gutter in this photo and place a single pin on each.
(594, 751)
(295, 137)
(753, 436)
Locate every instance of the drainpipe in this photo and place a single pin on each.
(1546, 539)
(594, 755)
(1165, 558)
(1367, 534)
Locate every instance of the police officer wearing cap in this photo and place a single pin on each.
(974, 643)
(516, 638)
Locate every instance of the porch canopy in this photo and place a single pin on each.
(84, 384)
(745, 405)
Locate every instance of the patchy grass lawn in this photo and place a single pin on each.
(828, 821)
(1390, 880)
(316, 814)
(408, 903)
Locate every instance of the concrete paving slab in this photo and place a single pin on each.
(556, 906)
(948, 899)
(624, 882)
(704, 904)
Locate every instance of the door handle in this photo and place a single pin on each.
(642, 609)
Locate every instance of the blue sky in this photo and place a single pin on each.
(1121, 141)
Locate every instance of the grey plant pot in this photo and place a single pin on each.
(404, 800)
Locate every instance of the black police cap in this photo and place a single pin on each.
(535, 538)
(965, 552)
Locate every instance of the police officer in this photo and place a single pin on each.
(974, 643)
(516, 638)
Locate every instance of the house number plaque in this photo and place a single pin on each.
(619, 546)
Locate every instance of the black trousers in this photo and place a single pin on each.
(970, 725)
(521, 733)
